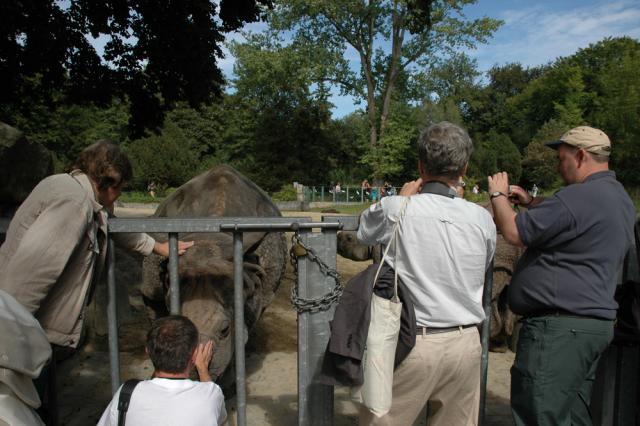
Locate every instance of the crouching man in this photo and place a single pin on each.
(171, 397)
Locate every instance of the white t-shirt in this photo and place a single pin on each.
(169, 402)
(445, 246)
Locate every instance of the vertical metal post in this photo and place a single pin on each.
(315, 401)
(238, 306)
(112, 316)
(347, 194)
(485, 332)
(322, 193)
(174, 280)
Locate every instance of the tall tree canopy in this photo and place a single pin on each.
(391, 38)
(157, 52)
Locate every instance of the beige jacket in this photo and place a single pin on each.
(55, 246)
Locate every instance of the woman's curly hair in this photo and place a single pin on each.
(105, 163)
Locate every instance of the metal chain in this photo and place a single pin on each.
(301, 304)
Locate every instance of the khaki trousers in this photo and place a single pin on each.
(442, 368)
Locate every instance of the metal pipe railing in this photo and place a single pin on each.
(173, 226)
(174, 278)
(485, 333)
(238, 305)
(112, 317)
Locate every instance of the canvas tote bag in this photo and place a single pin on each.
(379, 354)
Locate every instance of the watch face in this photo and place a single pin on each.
(496, 194)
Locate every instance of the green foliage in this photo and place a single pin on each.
(166, 158)
(388, 157)
(329, 28)
(157, 53)
(539, 162)
(286, 193)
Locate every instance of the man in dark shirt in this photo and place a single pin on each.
(564, 283)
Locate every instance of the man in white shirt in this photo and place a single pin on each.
(445, 244)
(171, 397)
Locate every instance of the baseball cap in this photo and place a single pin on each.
(24, 349)
(587, 138)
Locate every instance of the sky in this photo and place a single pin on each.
(534, 33)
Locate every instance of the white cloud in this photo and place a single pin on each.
(539, 34)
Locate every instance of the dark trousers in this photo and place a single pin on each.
(555, 367)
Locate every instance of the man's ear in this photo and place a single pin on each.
(464, 170)
(581, 156)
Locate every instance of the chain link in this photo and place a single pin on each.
(301, 304)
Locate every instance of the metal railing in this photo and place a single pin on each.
(346, 194)
(315, 401)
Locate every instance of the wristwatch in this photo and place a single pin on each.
(497, 194)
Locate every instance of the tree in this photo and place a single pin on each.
(539, 162)
(157, 52)
(167, 158)
(284, 134)
(392, 38)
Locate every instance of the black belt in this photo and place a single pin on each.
(560, 313)
(436, 330)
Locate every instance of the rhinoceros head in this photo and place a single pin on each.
(206, 270)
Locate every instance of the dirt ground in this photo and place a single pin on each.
(271, 363)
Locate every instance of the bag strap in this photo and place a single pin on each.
(394, 238)
(125, 397)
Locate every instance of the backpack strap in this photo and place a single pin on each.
(125, 397)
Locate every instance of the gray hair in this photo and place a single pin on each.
(444, 149)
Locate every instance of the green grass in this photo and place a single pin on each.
(139, 197)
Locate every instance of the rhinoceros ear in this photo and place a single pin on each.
(205, 258)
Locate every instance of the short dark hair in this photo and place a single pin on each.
(444, 149)
(171, 342)
(105, 163)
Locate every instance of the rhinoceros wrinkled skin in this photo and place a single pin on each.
(503, 320)
(206, 269)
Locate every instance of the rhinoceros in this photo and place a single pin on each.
(206, 269)
(503, 320)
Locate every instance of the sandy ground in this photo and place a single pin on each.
(84, 379)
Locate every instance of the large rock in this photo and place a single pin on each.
(22, 165)
(206, 270)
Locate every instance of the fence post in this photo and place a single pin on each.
(315, 401)
(174, 279)
(112, 316)
(238, 306)
(485, 331)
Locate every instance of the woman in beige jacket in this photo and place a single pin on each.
(56, 244)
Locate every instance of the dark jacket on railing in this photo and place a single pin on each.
(342, 364)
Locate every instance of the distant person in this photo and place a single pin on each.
(374, 194)
(565, 281)
(534, 191)
(444, 247)
(24, 351)
(366, 188)
(476, 189)
(151, 188)
(171, 397)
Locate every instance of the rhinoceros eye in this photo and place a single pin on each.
(226, 328)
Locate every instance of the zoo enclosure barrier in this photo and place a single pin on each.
(315, 401)
(347, 194)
